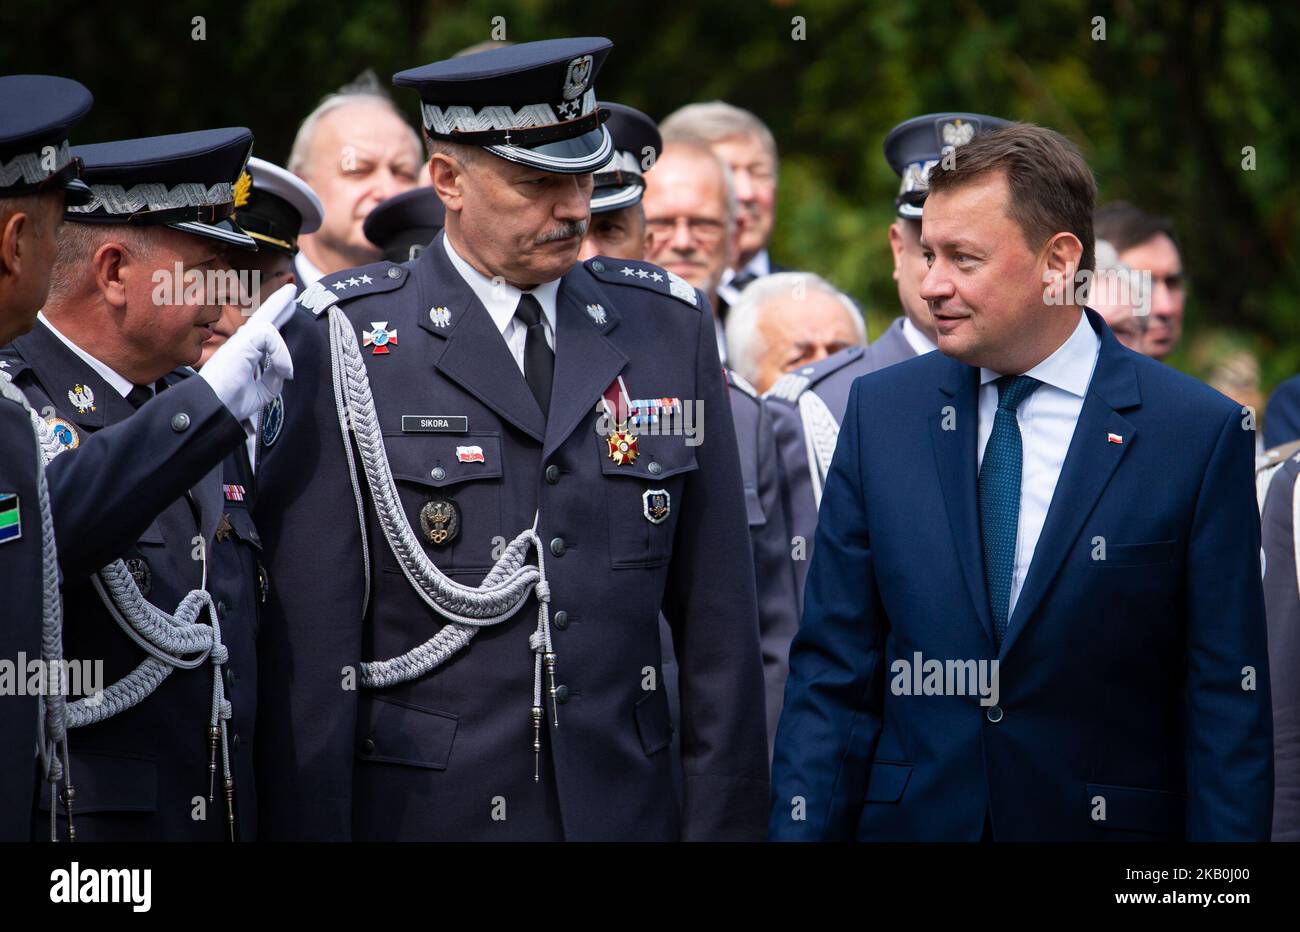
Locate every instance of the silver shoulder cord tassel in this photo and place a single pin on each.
(169, 639)
(505, 588)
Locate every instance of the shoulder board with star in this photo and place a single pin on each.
(643, 275)
(351, 283)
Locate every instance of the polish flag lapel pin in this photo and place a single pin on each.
(1114, 438)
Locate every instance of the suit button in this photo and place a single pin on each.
(561, 620)
(561, 694)
(994, 713)
(655, 469)
(557, 546)
(367, 746)
(180, 422)
(439, 473)
(552, 474)
(597, 266)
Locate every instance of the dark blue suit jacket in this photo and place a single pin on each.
(1120, 680)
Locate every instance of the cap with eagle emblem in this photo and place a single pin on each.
(275, 206)
(915, 146)
(533, 103)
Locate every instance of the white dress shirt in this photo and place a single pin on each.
(118, 383)
(1047, 419)
(305, 271)
(920, 343)
(501, 300)
(759, 266)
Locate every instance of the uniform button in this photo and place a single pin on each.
(597, 266)
(557, 546)
(230, 677)
(561, 694)
(552, 474)
(655, 469)
(561, 620)
(235, 741)
(180, 422)
(994, 714)
(394, 272)
(222, 608)
(367, 747)
(439, 473)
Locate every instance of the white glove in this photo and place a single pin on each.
(250, 369)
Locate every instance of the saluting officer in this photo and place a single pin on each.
(157, 754)
(477, 404)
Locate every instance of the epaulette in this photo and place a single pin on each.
(643, 275)
(738, 381)
(351, 283)
(793, 384)
(11, 364)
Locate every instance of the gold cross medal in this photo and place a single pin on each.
(622, 442)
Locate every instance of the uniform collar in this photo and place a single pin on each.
(499, 298)
(118, 383)
(1070, 367)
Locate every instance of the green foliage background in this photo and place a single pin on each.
(1162, 107)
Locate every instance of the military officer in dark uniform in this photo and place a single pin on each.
(405, 223)
(157, 755)
(617, 225)
(457, 674)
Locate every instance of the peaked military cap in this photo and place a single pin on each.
(621, 182)
(186, 181)
(915, 146)
(533, 103)
(36, 113)
(405, 223)
(274, 206)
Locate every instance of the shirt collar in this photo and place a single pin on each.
(759, 267)
(308, 274)
(118, 383)
(1070, 367)
(501, 298)
(919, 342)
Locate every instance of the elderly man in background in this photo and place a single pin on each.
(746, 146)
(789, 320)
(690, 213)
(355, 151)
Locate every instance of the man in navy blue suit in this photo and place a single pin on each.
(1035, 608)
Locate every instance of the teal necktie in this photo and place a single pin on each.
(999, 496)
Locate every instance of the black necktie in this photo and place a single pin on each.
(539, 359)
(138, 396)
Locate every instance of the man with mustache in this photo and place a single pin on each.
(484, 492)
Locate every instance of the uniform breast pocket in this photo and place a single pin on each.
(644, 498)
(450, 487)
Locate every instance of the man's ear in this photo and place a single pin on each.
(111, 263)
(1062, 256)
(896, 244)
(446, 173)
(15, 227)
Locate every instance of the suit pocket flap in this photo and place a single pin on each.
(110, 783)
(241, 522)
(1160, 551)
(1133, 809)
(402, 733)
(887, 781)
(652, 723)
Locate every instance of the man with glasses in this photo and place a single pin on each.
(690, 212)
